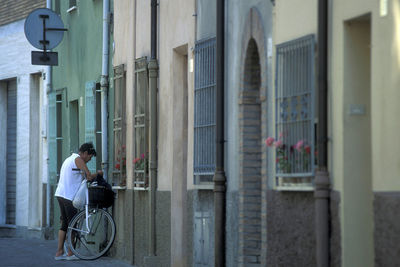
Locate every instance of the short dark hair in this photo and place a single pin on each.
(89, 148)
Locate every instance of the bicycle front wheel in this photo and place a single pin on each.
(92, 238)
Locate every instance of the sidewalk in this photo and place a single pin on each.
(19, 252)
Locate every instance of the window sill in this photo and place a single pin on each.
(71, 9)
(204, 186)
(8, 226)
(298, 188)
(140, 188)
(118, 187)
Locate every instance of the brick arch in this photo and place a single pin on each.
(252, 127)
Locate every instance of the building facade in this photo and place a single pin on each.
(362, 70)
(23, 139)
(75, 97)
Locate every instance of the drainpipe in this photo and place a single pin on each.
(219, 176)
(153, 75)
(322, 182)
(48, 91)
(104, 90)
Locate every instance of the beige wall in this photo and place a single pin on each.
(124, 38)
(176, 41)
(176, 31)
(377, 154)
(294, 19)
(385, 81)
(363, 151)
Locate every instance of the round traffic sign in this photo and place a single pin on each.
(44, 22)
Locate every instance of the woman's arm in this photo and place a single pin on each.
(82, 165)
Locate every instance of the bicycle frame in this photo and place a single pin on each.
(86, 213)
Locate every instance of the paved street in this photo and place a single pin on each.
(36, 252)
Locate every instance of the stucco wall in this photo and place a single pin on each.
(294, 19)
(176, 15)
(123, 52)
(15, 62)
(383, 83)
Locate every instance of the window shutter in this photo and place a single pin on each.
(119, 127)
(90, 119)
(294, 114)
(141, 123)
(204, 108)
(52, 143)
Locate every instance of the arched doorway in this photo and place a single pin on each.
(250, 184)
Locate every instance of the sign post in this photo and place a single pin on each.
(44, 30)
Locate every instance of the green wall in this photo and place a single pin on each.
(79, 62)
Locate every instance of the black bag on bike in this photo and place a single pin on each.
(100, 196)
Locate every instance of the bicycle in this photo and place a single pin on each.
(91, 231)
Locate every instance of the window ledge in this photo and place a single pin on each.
(298, 188)
(8, 226)
(204, 186)
(71, 9)
(141, 188)
(118, 187)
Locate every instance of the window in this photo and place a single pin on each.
(204, 111)
(294, 113)
(90, 120)
(57, 6)
(140, 161)
(59, 137)
(119, 126)
(98, 128)
(72, 6)
(72, 3)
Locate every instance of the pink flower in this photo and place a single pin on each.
(299, 145)
(136, 160)
(117, 166)
(269, 141)
(278, 143)
(143, 156)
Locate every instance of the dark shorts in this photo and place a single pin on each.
(68, 212)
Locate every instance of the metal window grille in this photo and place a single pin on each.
(204, 110)
(141, 124)
(119, 169)
(294, 114)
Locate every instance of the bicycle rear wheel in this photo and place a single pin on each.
(89, 242)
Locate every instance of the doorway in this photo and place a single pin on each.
(250, 182)
(179, 178)
(358, 244)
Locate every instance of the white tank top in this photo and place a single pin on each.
(70, 179)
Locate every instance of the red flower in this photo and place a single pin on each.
(307, 149)
(117, 166)
(136, 160)
(269, 141)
